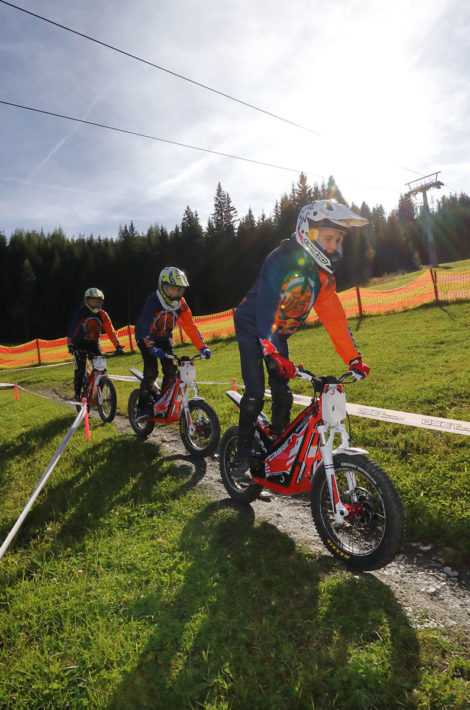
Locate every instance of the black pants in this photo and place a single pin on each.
(252, 366)
(151, 370)
(81, 352)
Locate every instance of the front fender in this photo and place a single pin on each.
(351, 450)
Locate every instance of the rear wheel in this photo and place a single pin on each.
(371, 535)
(143, 427)
(240, 489)
(205, 437)
(106, 401)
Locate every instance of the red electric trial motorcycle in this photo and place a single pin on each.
(355, 506)
(198, 422)
(98, 389)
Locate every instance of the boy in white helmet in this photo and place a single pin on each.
(83, 337)
(154, 332)
(294, 278)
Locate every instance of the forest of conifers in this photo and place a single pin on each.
(43, 276)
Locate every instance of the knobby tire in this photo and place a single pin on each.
(205, 439)
(107, 408)
(372, 536)
(143, 427)
(240, 491)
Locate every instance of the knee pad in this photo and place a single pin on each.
(251, 405)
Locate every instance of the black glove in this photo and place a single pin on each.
(71, 349)
(119, 350)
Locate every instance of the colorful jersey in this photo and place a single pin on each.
(86, 327)
(289, 285)
(157, 321)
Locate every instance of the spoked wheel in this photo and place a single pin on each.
(240, 489)
(107, 400)
(143, 427)
(371, 535)
(205, 437)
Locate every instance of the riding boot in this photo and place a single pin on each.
(280, 413)
(77, 384)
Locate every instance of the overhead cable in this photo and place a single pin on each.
(181, 145)
(178, 76)
(155, 138)
(164, 69)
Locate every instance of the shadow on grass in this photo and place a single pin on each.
(109, 474)
(27, 442)
(259, 624)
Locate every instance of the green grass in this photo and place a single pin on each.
(126, 589)
(391, 281)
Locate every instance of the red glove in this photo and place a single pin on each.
(359, 369)
(276, 363)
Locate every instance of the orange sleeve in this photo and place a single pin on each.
(108, 327)
(331, 313)
(189, 326)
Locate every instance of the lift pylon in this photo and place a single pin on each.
(423, 185)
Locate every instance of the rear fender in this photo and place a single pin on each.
(234, 396)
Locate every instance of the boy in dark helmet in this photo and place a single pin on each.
(154, 332)
(83, 337)
(294, 278)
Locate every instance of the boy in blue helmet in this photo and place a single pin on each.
(154, 333)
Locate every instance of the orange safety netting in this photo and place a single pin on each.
(429, 287)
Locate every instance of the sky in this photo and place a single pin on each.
(380, 90)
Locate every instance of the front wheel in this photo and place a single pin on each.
(240, 489)
(143, 427)
(107, 400)
(371, 535)
(206, 428)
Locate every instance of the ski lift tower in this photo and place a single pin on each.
(423, 185)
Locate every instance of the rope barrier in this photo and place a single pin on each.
(420, 421)
(42, 481)
(392, 416)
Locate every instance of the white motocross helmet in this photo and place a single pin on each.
(320, 215)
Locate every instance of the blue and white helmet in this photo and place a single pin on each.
(324, 214)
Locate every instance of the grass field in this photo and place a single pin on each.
(391, 281)
(126, 589)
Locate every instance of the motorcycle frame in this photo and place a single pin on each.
(92, 392)
(175, 399)
(304, 445)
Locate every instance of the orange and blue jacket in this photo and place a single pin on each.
(86, 327)
(157, 321)
(289, 285)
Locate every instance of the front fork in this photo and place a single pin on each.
(340, 512)
(185, 404)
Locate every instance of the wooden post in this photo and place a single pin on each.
(130, 338)
(359, 304)
(434, 281)
(39, 351)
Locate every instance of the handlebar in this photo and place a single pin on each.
(184, 358)
(319, 383)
